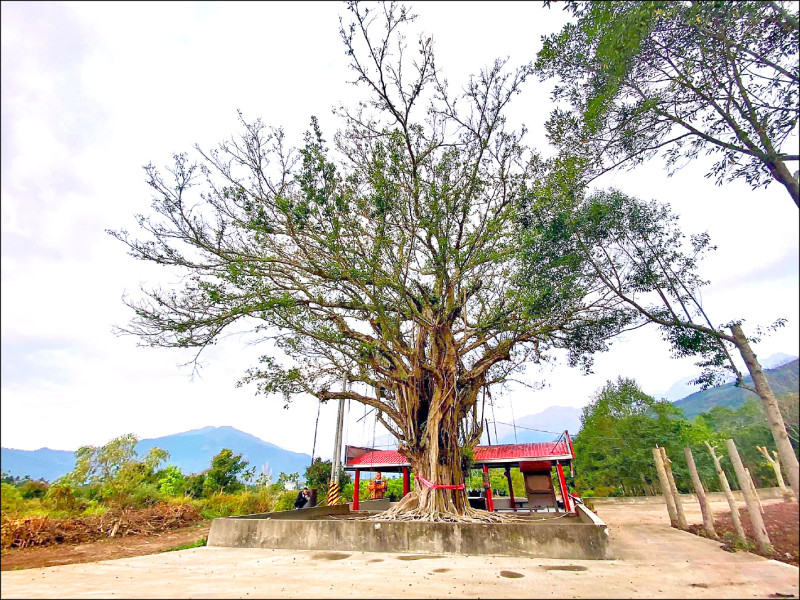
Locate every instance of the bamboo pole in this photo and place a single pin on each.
(665, 490)
(674, 489)
(726, 488)
(775, 463)
(705, 506)
(754, 490)
(762, 539)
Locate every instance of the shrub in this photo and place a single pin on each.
(172, 482)
(61, 497)
(33, 489)
(11, 501)
(285, 501)
(144, 495)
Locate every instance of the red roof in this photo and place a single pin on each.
(505, 453)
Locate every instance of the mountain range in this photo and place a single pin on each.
(193, 450)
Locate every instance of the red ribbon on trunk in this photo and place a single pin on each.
(437, 486)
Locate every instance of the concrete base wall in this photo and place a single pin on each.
(581, 537)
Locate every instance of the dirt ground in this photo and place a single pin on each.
(649, 559)
(781, 521)
(121, 547)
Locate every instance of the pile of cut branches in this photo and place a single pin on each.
(43, 531)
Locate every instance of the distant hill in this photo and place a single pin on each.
(192, 451)
(783, 379)
(552, 421)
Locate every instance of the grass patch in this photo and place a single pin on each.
(196, 544)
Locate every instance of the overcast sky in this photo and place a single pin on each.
(91, 92)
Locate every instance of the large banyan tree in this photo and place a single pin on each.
(390, 260)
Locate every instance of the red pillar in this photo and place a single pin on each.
(563, 485)
(356, 489)
(511, 489)
(488, 487)
(406, 481)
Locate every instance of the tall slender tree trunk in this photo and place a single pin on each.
(674, 489)
(760, 531)
(705, 506)
(665, 489)
(726, 488)
(768, 400)
(776, 466)
(753, 490)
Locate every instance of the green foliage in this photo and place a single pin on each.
(34, 489)
(11, 500)
(620, 428)
(226, 470)
(171, 481)
(115, 471)
(406, 230)
(682, 78)
(622, 425)
(748, 427)
(615, 244)
(318, 477)
(61, 496)
(194, 484)
(285, 501)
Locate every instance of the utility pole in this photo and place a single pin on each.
(334, 489)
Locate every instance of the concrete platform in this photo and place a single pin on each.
(582, 536)
(650, 560)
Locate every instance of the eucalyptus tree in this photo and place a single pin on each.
(639, 253)
(682, 78)
(390, 260)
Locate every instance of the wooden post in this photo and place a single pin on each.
(754, 490)
(762, 539)
(723, 481)
(705, 507)
(511, 490)
(406, 481)
(356, 489)
(775, 463)
(665, 491)
(674, 489)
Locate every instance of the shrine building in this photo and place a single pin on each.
(535, 460)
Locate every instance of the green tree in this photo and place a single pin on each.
(318, 476)
(619, 428)
(637, 251)
(389, 260)
(114, 468)
(685, 78)
(748, 427)
(226, 471)
(171, 481)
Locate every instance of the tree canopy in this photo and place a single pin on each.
(681, 78)
(391, 258)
